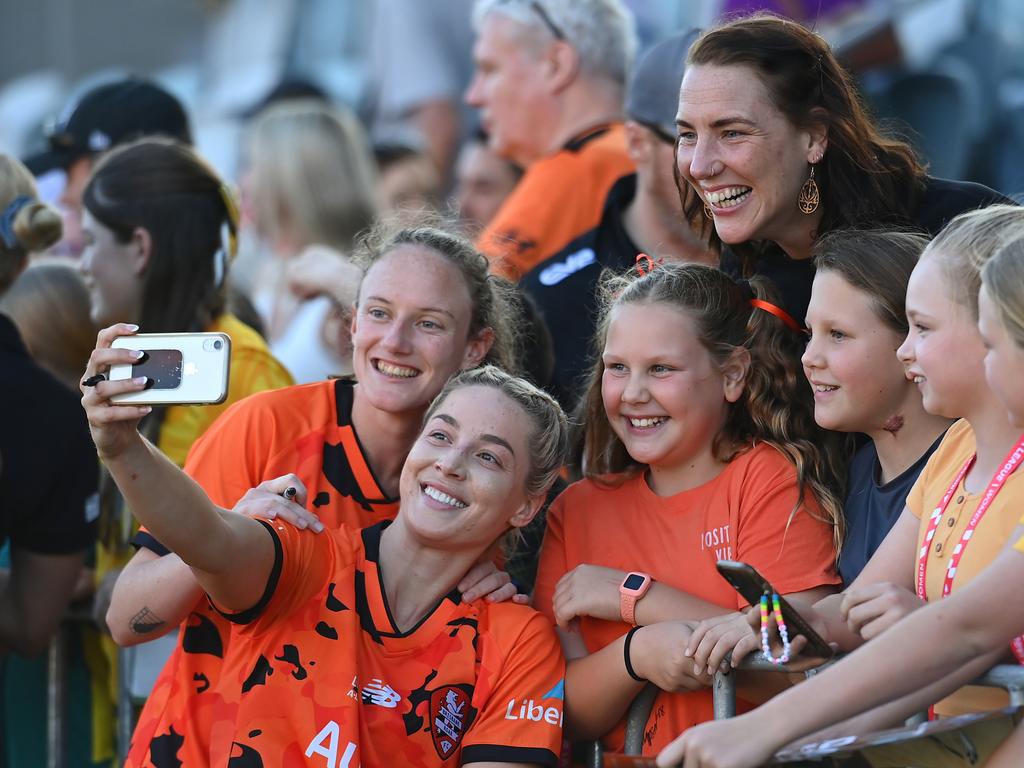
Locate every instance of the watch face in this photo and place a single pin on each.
(633, 582)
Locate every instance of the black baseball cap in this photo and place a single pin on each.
(653, 96)
(109, 115)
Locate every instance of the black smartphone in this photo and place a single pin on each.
(751, 585)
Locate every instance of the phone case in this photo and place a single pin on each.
(751, 585)
(187, 368)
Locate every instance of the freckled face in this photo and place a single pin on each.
(744, 157)
(410, 332)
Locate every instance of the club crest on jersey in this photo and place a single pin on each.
(449, 718)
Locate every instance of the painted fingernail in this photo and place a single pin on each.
(132, 327)
(140, 380)
(141, 355)
(149, 382)
(146, 409)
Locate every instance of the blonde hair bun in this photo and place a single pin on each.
(37, 226)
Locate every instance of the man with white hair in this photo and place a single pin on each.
(549, 83)
(642, 213)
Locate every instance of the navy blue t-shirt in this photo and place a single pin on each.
(871, 509)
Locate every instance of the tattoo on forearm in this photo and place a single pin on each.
(145, 621)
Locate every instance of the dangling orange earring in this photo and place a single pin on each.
(809, 197)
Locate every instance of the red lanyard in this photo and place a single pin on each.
(1010, 463)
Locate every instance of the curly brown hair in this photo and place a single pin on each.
(776, 405)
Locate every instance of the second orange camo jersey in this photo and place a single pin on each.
(321, 676)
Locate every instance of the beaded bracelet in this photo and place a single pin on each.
(625, 654)
(766, 646)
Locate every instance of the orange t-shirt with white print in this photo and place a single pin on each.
(992, 534)
(746, 514)
(320, 675)
(558, 199)
(304, 429)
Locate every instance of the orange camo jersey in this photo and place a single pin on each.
(303, 429)
(743, 514)
(321, 676)
(558, 199)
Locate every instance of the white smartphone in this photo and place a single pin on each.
(186, 368)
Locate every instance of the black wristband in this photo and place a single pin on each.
(625, 656)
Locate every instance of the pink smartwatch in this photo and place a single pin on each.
(632, 588)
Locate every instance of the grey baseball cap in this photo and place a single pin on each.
(653, 95)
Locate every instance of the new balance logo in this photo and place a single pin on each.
(381, 694)
(556, 273)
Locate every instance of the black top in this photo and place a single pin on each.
(941, 200)
(871, 510)
(48, 466)
(564, 287)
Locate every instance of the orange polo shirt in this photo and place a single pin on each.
(558, 199)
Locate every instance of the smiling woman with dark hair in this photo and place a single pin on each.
(775, 141)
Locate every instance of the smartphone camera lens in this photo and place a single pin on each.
(213, 345)
(217, 344)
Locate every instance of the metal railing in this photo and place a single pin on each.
(1009, 677)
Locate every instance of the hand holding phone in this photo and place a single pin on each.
(185, 368)
(752, 585)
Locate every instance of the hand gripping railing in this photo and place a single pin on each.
(1010, 677)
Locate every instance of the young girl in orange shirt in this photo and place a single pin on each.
(700, 445)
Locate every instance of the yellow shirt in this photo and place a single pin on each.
(988, 539)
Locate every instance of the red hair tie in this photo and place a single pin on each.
(779, 312)
(645, 264)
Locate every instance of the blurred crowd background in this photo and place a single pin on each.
(948, 75)
(951, 70)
